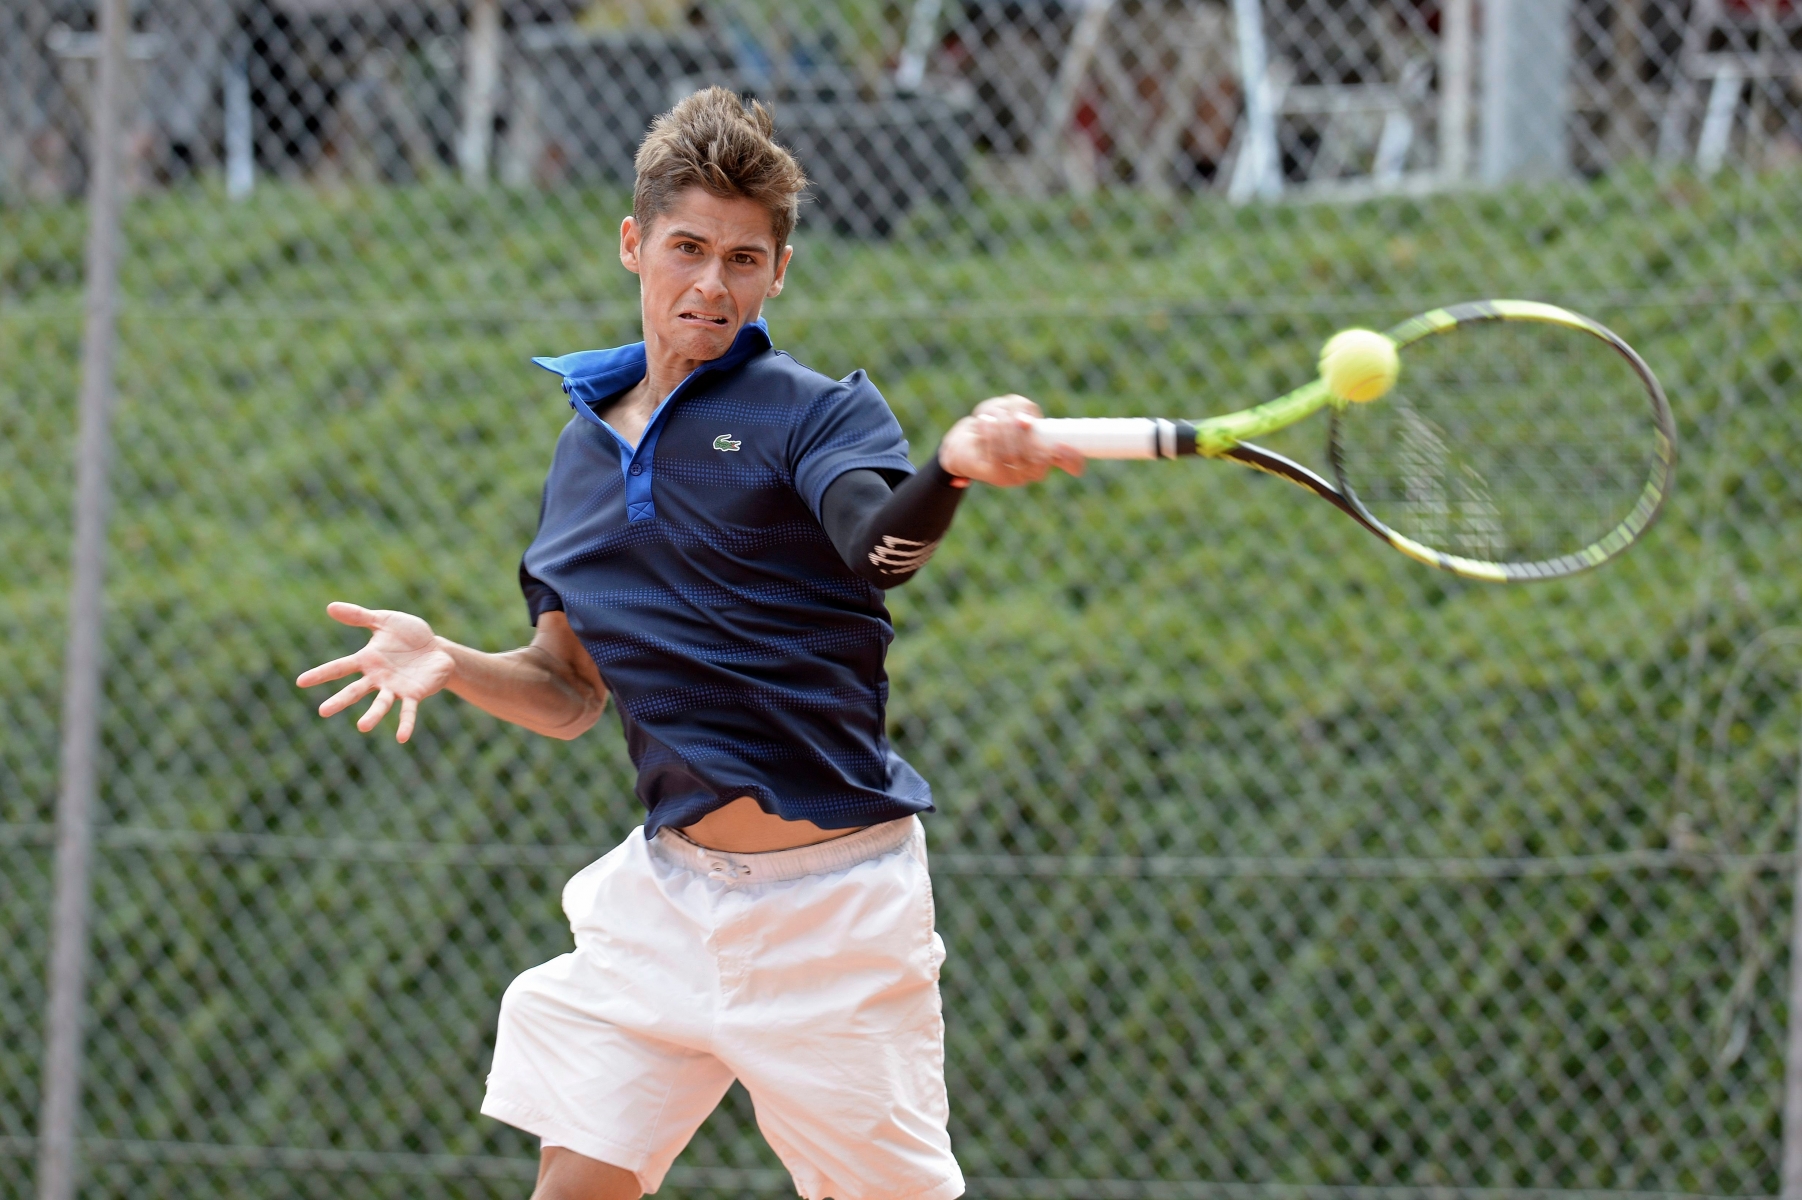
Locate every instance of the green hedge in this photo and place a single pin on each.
(325, 395)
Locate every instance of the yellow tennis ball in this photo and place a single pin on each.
(1359, 364)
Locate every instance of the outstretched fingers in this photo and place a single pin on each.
(354, 614)
(372, 716)
(409, 715)
(347, 696)
(338, 668)
(400, 655)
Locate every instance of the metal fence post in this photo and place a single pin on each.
(481, 77)
(1457, 22)
(1258, 173)
(240, 136)
(1791, 1181)
(57, 1164)
(1527, 48)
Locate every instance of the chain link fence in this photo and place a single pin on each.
(1271, 864)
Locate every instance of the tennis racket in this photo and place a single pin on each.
(1521, 441)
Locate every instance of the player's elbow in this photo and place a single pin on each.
(570, 732)
(891, 561)
(593, 705)
(877, 577)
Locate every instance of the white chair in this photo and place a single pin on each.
(1727, 45)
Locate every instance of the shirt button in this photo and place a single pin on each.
(638, 468)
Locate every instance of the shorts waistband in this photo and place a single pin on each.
(776, 866)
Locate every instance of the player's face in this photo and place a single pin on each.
(704, 268)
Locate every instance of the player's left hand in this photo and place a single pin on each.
(403, 660)
(996, 444)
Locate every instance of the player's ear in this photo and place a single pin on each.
(788, 252)
(631, 237)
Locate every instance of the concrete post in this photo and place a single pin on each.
(58, 1165)
(1526, 90)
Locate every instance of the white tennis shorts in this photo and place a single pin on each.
(810, 974)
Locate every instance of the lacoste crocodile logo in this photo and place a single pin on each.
(726, 441)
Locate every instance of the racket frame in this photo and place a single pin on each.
(1628, 530)
(1227, 437)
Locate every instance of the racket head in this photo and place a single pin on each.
(1521, 441)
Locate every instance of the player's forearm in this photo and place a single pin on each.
(529, 687)
(887, 536)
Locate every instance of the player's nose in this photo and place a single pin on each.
(712, 281)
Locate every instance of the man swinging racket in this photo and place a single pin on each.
(718, 524)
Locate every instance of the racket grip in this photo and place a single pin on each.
(1120, 437)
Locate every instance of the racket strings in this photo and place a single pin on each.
(1503, 442)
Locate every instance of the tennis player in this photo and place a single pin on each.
(718, 526)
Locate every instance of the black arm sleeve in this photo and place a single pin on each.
(885, 536)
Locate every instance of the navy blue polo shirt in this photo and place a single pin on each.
(744, 656)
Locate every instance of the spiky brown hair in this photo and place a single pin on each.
(713, 141)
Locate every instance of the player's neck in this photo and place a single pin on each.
(668, 353)
(631, 412)
(664, 370)
(664, 373)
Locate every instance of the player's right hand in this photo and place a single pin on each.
(995, 444)
(403, 660)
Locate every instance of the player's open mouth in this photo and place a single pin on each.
(707, 318)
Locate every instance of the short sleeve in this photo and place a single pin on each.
(847, 428)
(540, 596)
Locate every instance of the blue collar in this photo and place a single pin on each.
(594, 376)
